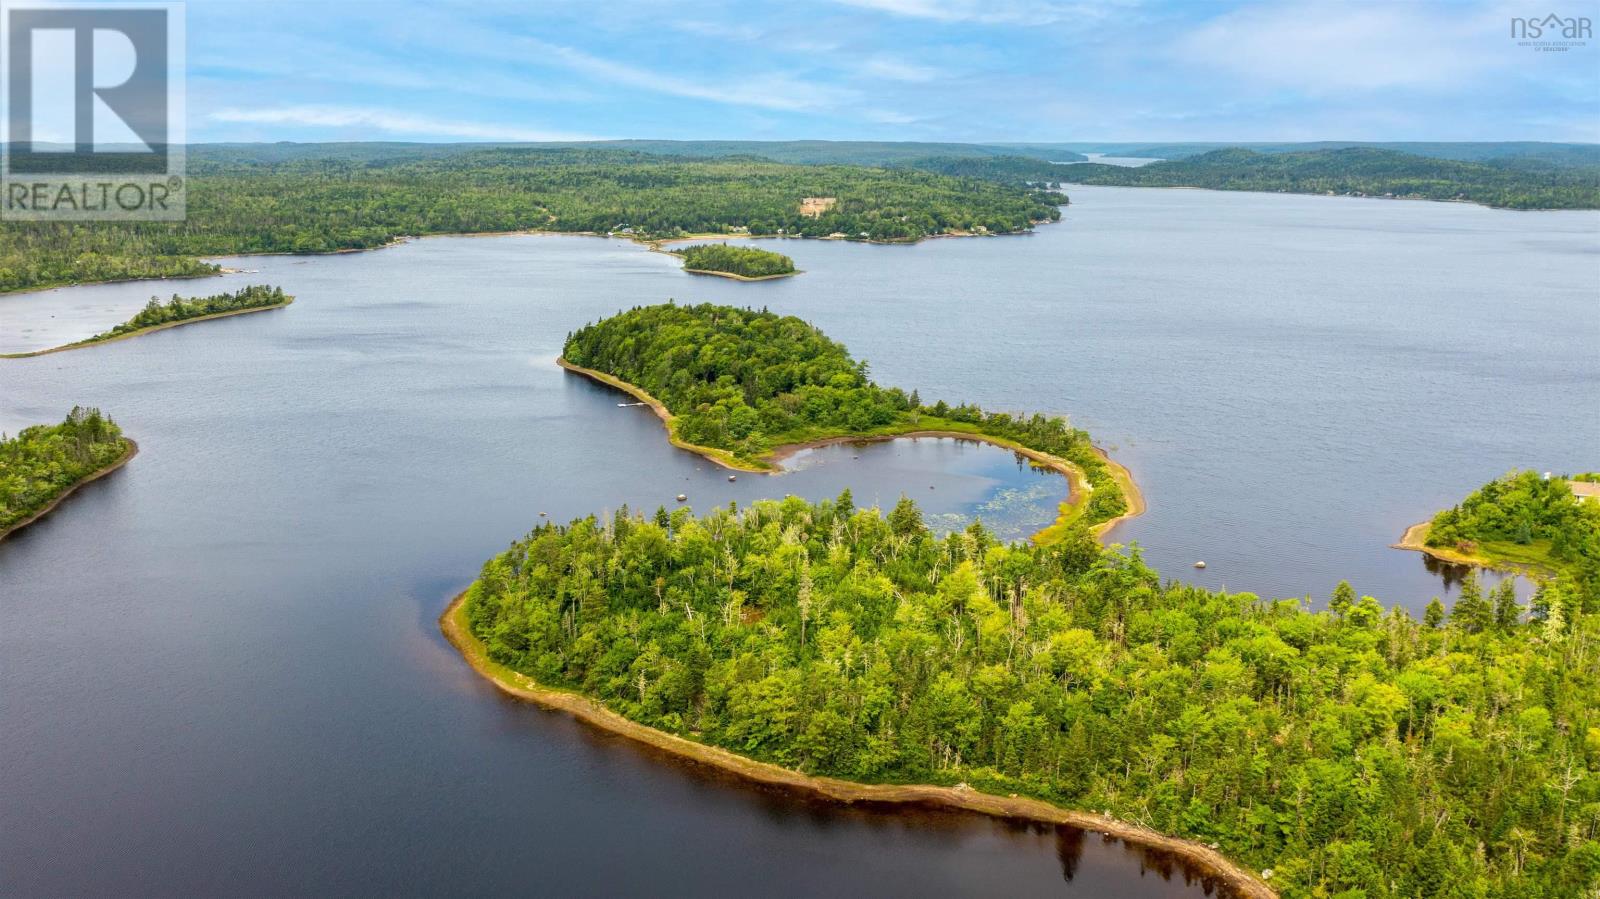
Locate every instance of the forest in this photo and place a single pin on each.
(746, 262)
(240, 204)
(156, 313)
(45, 461)
(1349, 752)
(747, 382)
(1368, 172)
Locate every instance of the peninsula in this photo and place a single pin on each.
(1540, 525)
(159, 316)
(745, 388)
(44, 464)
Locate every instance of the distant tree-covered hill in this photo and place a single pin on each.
(1361, 171)
(242, 202)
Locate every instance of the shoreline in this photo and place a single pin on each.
(1307, 193)
(133, 450)
(398, 240)
(1077, 482)
(1415, 537)
(1203, 859)
(706, 271)
(85, 344)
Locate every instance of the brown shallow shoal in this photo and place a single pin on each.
(1204, 859)
(133, 450)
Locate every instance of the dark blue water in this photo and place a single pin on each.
(220, 669)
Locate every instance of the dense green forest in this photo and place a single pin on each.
(1020, 170)
(45, 461)
(1354, 752)
(319, 205)
(746, 262)
(1364, 171)
(156, 313)
(1525, 518)
(747, 381)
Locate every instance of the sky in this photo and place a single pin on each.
(953, 70)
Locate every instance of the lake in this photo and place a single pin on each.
(222, 669)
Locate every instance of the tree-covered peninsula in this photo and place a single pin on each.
(44, 463)
(738, 384)
(156, 315)
(1353, 752)
(254, 204)
(1522, 520)
(1363, 171)
(746, 263)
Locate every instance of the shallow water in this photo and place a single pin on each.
(221, 665)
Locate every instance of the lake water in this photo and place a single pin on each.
(222, 670)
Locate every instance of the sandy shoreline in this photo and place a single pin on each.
(133, 450)
(1078, 482)
(1415, 540)
(85, 344)
(1202, 858)
(706, 271)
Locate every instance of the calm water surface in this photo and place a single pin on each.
(221, 669)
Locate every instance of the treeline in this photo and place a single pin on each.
(1362, 171)
(298, 205)
(156, 313)
(1019, 170)
(747, 262)
(747, 381)
(45, 461)
(1350, 752)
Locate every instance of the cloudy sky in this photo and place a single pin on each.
(964, 70)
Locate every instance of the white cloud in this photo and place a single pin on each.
(758, 90)
(1328, 49)
(387, 121)
(988, 12)
(898, 70)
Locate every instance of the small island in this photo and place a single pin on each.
(739, 263)
(158, 316)
(746, 388)
(44, 464)
(1536, 524)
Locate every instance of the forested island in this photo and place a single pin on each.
(737, 384)
(741, 263)
(1547, 525)
(242, 204)
(157, 316)
(1366, 172)
(43, 464)
(1349, 752)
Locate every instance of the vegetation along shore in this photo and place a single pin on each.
(159, 316)
(1545, 526)
(739, 263)
(328, 204)
(44, 464)
(457, 628)
(744, 388)
(1350, 751)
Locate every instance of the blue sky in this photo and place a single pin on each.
(960, 70)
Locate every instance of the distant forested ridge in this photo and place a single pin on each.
(746, 382)
(746, 262)
(1364, 171)
(42, 462)
(316, 205)
(1523, 518)
(1354, 752)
